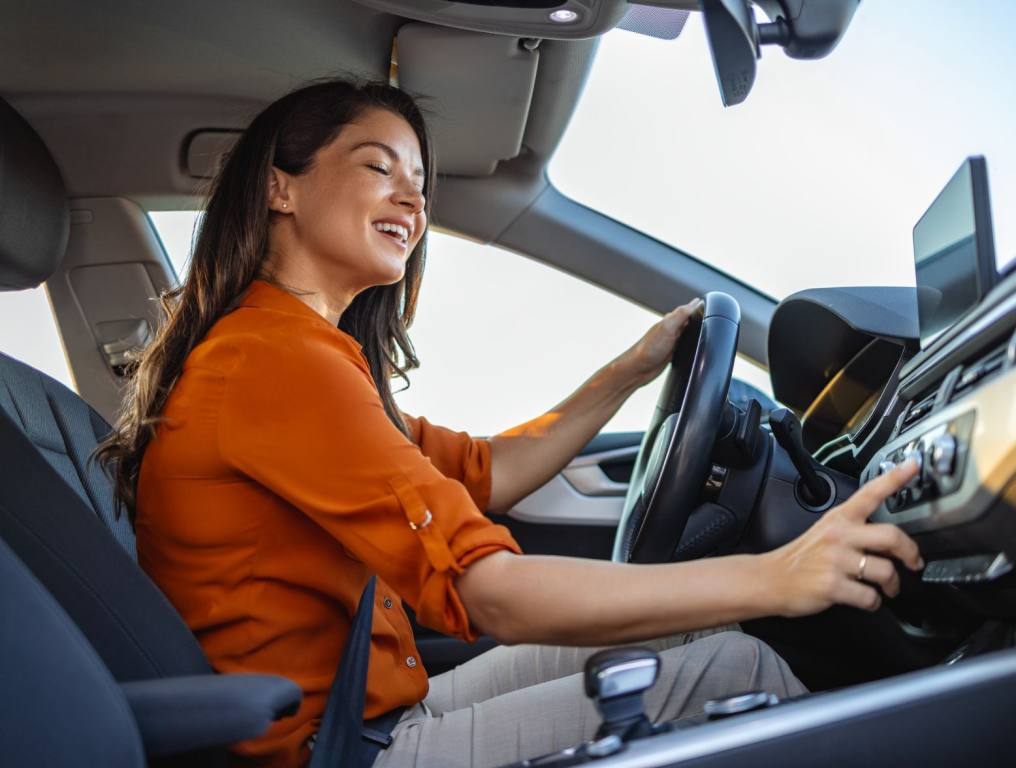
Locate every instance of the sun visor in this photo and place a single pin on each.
(205, 151)
(475, 91)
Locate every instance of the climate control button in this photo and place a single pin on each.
(942, 455)
(885, 467)
(917, 456)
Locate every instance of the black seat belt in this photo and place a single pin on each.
(343, 739)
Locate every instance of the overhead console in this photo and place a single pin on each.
(550, 19)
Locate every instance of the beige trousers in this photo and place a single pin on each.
(520, 702)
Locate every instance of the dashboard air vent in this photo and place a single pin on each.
(979, 370)
(918, 410)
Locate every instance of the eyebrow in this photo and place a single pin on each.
(387, 150)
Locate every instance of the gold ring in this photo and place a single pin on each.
(860, 567)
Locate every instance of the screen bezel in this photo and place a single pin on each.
(986, 272)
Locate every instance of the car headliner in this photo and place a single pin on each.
(115, 87)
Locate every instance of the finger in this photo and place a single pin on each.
(686, 310)
(867, 499)
(678, 318)
(889, 540)
(859, 595)
(877, 571)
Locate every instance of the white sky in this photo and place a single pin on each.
(816, 180)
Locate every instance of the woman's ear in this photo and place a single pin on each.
(279, 198)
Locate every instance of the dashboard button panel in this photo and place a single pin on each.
(942, 456)
(939, 452)
(969, 463)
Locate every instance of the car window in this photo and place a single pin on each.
(818, 178)
(28, 332)
(176, 231)
(502, 338)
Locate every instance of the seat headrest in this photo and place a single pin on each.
(34, 216)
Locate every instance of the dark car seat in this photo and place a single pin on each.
(56, 507)
(66, 707)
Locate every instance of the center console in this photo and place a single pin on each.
(959, 420)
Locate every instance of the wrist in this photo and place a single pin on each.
(627, 372)
(768, 593)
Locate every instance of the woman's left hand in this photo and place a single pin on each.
(652, 352)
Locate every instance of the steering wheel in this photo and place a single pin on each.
(673, 462)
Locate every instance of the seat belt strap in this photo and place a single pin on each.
(342, 738)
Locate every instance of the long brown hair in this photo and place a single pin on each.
(230, 250)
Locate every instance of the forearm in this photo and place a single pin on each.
(570, 601)
(527, 456)
(842, 559)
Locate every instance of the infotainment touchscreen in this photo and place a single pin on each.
(954, 251)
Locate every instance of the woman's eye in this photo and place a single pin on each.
(380, 168)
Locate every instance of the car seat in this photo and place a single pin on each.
(57, 516)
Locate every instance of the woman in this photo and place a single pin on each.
(271, 474)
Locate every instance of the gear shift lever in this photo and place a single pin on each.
(787, 431)
(615, 680)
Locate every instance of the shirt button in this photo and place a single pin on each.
(411, 662)
(388, 602)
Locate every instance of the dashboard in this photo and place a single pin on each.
(872, 399)
(925, 374)
(957, 419)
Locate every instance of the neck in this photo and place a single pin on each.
(314, 283)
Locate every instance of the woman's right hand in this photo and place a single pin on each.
(843, 558)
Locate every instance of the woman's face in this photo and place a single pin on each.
(358, 212)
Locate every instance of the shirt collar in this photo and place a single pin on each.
(265, 295)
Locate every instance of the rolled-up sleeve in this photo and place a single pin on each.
(456, 455)
(305, 421)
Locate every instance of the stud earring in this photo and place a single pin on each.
(285, 205)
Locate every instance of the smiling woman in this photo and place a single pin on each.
(353, 217)
(271, 475)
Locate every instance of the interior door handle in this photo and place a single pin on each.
(131, 336)
(588, 478)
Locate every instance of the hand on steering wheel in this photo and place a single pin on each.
(674, 458)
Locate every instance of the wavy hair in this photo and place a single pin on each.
(230, 250)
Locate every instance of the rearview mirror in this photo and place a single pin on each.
(805, 29)
(733, 41)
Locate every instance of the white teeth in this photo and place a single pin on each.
(398, 229)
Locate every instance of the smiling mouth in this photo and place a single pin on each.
(396, 232)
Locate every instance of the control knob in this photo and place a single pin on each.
(943, 455)
(916, 455)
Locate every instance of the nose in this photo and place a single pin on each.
(411, 197)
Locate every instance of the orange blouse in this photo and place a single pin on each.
(276, 486)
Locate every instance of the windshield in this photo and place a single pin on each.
(819, 177)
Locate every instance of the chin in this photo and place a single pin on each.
(388, 274)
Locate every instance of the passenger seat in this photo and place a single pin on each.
(57, 517)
